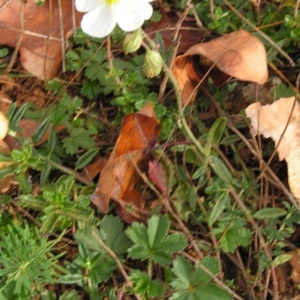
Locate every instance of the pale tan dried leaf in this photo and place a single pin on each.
(271, 120)
(281, 122)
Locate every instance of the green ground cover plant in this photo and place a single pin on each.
(226, 228)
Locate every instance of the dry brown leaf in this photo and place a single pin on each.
(41, 44)
(281, 122)
(119, 178)
(238, 54)
(187, 84)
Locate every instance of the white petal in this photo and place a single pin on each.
(99, 22)
(88, 5)
(131, 14)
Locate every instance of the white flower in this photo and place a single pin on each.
(102, 15)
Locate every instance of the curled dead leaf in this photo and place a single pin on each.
(238, 54)
(281, 122)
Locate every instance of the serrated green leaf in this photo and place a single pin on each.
(138, 234)
(161, 245)
(158, 226)
(234, 237)
(194, 284)
(202, 277)
(183, 270)
(212, 292)
(143, 285)
(112, 232)
(269, 213)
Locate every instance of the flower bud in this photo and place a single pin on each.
(133, 41)
(153, 63)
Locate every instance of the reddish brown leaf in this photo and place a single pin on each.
(157, 174)
(41, 44)
(139, 133)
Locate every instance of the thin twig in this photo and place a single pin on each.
(216, 280)
(62, 35)
(17, 46)
(113, 255)
(175, 49)
(263, 243)
(71, 172)
(48, 38)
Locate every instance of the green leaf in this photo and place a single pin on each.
(138, 234)
(70, 295)
(194, 284)
(220, 168)
(171, 244)
(86, 158)
(153, 242)
(212, 292)
(218, 208)
(41, 130)
(233, 237)
(79, 138)
(215, 134)
(18, 114)
(269, 213)
(158, 226)
(281, 259)
(90, 89)
(112, 232)
(200, 276)
(183, 270)
(3, 52)
(143, 285)
(52, 140)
